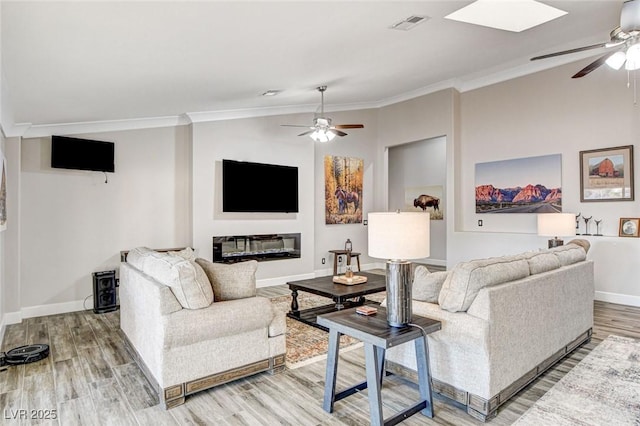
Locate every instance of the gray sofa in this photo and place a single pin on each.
(505, 320)
(192, 324)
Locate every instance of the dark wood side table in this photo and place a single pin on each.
(377, 337)
(348, 253)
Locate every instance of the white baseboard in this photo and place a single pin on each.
(269, 282)
(42, 310)
(620, 299)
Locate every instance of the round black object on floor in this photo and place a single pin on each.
(27, 354)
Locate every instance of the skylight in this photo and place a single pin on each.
(508, 15)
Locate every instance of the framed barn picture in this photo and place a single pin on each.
(607, 174)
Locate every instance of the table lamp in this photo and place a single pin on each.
(556, 224)
(399, 237)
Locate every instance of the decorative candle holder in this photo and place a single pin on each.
(586, 224)
(598, 227)
(578, 224)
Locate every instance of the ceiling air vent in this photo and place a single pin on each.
(408, 23)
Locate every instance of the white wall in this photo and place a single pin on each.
(549, 113)
(416, 164)
(73, 223)
(260, 140)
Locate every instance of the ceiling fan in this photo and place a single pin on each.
(322, 130)
(624, 38)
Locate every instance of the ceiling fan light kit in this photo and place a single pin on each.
(322, 130)
(626, 38)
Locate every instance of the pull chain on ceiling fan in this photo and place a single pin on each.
(322, 130)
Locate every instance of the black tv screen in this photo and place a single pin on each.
(259, 188)
(82, 154)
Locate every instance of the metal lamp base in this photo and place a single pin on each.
(398, 293)
(555, 242)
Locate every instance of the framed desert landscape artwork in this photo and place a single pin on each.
(520, 185)
(607, 174)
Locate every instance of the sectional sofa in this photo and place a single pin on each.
(505, 320)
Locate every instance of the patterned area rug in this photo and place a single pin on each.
(603, 389)
(306, 344)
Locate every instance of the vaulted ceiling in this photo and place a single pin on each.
(71, 62)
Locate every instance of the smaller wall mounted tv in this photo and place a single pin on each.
(82, 154)
(259, 188)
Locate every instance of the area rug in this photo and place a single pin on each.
(306, 344)
(603, 389)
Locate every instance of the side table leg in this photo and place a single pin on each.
(332, 371)
(294, 301)
(374, 378)
(424, 376)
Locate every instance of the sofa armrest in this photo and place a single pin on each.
(218, 320)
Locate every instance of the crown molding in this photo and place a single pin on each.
(43, 130)
(467, 83)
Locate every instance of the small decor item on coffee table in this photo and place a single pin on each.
(352, 280)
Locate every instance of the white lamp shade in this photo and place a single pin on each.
(556, 224)
(399, 235)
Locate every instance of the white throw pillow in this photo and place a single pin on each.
(467, 279)
(427, 285)
(231, 281)
(186, 253)
(569, 254)
(187, 279)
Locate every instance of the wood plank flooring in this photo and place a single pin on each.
(89, 379)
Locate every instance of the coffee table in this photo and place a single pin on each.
(343, 296)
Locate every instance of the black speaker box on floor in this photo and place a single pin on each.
(105, 298)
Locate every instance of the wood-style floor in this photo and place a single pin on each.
(89, 379)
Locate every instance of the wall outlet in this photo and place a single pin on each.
(323, 261)
(479, 222)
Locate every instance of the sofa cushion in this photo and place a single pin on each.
(569, 254)
(231, 281)
(543, 262)
(427, 285)
(466, 279)
(187, 280)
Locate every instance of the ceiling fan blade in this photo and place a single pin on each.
(295, 125)
(566, 52)
(338, 132)
(593, 65)
(307, 132)
(348, 126)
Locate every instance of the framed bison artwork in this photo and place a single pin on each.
(521, 185)
(343, 189)
(425, 199)
(607, 174)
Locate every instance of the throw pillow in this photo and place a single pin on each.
(186, 253)
(466, 280)
(137, 256)
(231, 281)
(585, 244)
(426, 285)
(187, 279)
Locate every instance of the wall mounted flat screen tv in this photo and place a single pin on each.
(259, 188)
(82, 154)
